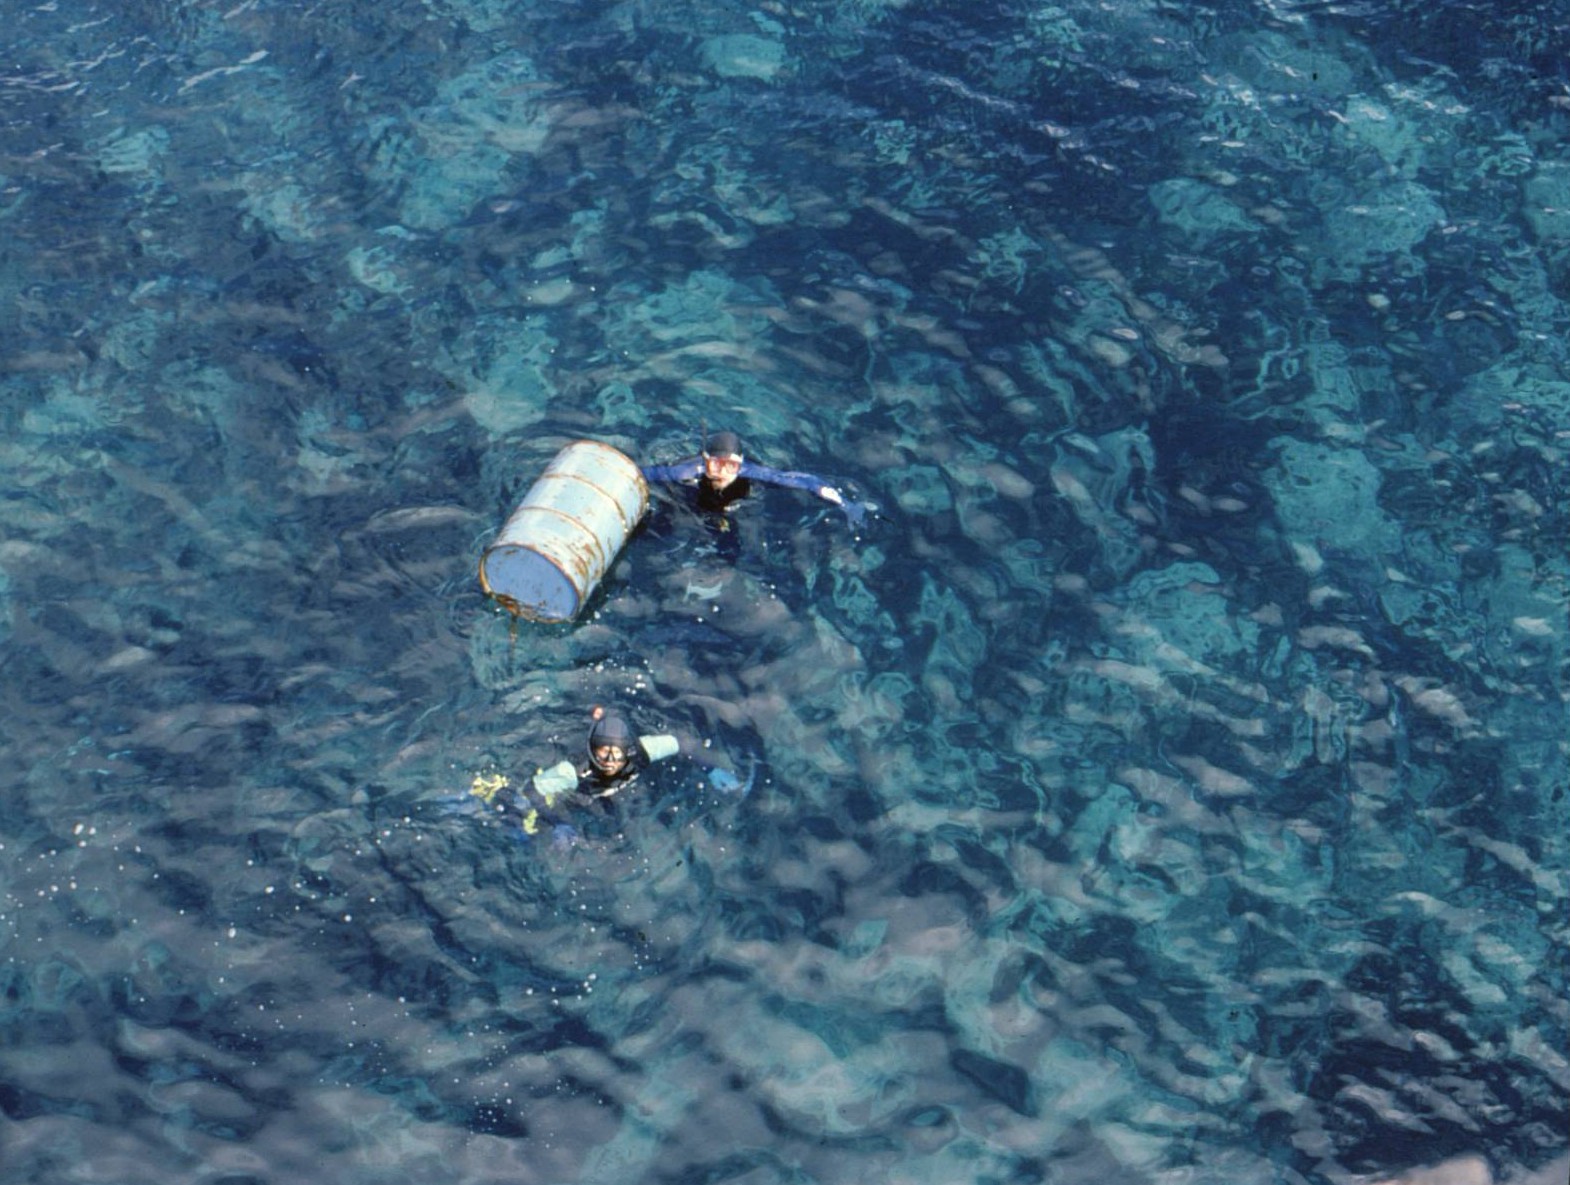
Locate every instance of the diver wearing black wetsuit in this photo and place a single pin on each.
(723, 475)
(616, 756)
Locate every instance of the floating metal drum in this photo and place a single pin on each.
(566, 532)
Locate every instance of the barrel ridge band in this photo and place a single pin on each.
(627, 526)
(626, 462)
(599, 548)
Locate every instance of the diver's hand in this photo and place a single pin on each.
(726, 782)
(856, 513)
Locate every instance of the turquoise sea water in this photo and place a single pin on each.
(1167, 786)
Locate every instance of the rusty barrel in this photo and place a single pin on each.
(565, 534)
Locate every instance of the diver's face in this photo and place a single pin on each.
(721, 471)
(610, 760)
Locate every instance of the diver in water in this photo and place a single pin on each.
(615, 754)
(615, 757)
(723, 476)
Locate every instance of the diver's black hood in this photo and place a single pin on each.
(722, 444)
(611, 729)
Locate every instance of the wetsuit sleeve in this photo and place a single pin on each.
(792, 480)
(551, 783)
(660, 747)
(681, 471)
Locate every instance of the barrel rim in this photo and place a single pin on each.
(516, 607)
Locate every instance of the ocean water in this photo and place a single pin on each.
(1168, 784)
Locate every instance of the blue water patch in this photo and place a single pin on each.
(1167, 781)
